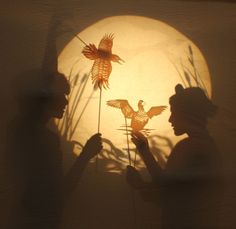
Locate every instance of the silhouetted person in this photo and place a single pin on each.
(35, 154)
(189, 189)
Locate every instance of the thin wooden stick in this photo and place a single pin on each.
(100, 99)
(127, 138)
(135, 157)
(79, 39)
(99, 111)
(132, 190)
(99, 121)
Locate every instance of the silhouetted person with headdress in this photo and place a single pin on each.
(35, 153)
(34, 150)
(189, 189)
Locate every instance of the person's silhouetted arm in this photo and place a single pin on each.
(147, 190)
(92, 147)
(142, 146)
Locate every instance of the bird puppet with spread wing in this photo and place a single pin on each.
(138, 118)
(102, 57)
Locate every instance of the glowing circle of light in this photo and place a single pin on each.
(156, 59)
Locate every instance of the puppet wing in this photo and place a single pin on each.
(156, 111)
(90, 51)
(124, 105)
(106, 43)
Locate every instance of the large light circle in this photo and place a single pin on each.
(157, 57)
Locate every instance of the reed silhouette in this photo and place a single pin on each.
(188, 73)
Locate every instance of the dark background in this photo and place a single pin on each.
(209, 24)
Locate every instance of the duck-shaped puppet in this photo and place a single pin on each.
(138, 118)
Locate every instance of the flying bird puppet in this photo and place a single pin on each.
(102, 57)
(138, 118)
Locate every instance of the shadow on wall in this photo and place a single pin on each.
(113, 159)
(104, 196)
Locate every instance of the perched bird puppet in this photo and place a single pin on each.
(102, 57)
(138, 118)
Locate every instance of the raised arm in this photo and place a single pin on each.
(143, 148)
(92, 147)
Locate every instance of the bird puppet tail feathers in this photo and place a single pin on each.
(90, 51)
(100, 82)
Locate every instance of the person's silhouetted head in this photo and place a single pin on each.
(42, 94)
(190, 109)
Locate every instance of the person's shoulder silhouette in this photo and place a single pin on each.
(190, 110)
(34, 150)
(189, 188)
(193, 171)
(35, 154)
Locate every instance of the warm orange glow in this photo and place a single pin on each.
(156, 56)
(102, 57)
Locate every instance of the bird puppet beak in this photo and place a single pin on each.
(142, 102)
